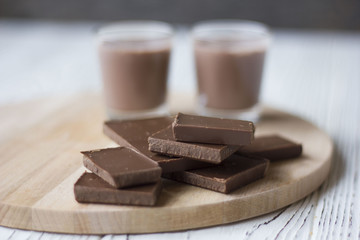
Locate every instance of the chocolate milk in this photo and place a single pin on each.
(229, 78)
(134, 76)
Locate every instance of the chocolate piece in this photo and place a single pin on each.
(272, 147)
(122, 167)
(164, 142)
(190, 128)
(234, 172)
(134, 134)
(92, 189)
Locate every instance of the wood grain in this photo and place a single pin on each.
(41, 163)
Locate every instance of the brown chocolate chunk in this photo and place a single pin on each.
(190, 128)
(234, 172)
(92, 189)
(272, 147)
(122, 167)
(164, 142)
(134, 134)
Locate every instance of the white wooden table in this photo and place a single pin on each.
(314, 74)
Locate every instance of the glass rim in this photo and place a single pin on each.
(258, 29)
(161, 30)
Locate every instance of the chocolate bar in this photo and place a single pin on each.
(164, 142)
(135, 133)
(92, 189)
(190, 128)
(234, 172)
(272, 147)
(122, 167)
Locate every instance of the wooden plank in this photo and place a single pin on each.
(41, 163)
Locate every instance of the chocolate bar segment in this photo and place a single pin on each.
(190, 128)
(164, 142)
(92, 189)
(234, 172)
(122, 167)
(272, 147)
(135, 133)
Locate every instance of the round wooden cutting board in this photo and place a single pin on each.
(40, 144)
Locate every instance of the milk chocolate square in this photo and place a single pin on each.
(122, 167)
(90, 188)
(272, 147)
(233, 173)
(164, 142)
(135, 133)
(191, 128)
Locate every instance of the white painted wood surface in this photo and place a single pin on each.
(317, 72)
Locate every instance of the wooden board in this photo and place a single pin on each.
(40, 143)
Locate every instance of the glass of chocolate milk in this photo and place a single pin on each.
(134, 59)
(229, 57)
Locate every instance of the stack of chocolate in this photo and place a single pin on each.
(212, 153)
